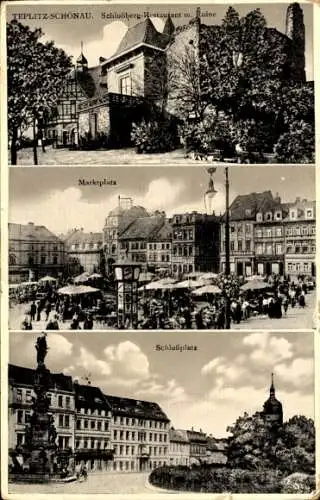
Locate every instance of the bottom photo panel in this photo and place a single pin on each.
(167, 412)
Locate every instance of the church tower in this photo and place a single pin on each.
(272, 408)
(295, 30)
(169, 27)
(82, 63)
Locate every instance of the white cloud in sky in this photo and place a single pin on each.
(127, 361)
(268, 349)
(62, 210)
(169, 390)
(104, 46)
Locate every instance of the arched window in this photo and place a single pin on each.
(12, 260)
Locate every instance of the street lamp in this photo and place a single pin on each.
(209, 195)
(127, 276)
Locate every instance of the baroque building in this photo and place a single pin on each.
(34, 252)
(84, 249)
(99, 104)
(195, 243)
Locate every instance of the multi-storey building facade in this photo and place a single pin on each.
(179, 449)
(140, 435)
(93, 428)
(159, 250)
(103, 101)
(135, 238)
(34, 252)
(62, 406)
(242, 216)
(285, 239)
(198, 445)
(195, 243)
(84, 248)
(300, 239)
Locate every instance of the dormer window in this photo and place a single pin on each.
(259, 217)
(278, 215)
(248, 212)
(268, 216)
(309, 213)
(293, 214)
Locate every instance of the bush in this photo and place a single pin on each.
(297, 145)
(298, 483)
(154, 136)
(86, 142)
(208, 479)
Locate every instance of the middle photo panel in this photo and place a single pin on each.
(162, 248)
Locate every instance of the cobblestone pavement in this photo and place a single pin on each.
(126, 156)
(296, 318)
(96, 483)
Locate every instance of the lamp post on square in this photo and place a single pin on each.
(127, 276)
(208, 197)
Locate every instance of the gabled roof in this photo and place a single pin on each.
(164, 233)
(88, 396)
(31, 232)
(139, 34)
(89, 80)
(143, 228)
(78, 236)
(136, 408)
(19, 375)
(253, 202)
(178, 436)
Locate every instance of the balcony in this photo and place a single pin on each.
(91, 453)
(144, 452)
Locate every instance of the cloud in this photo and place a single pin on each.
(92, 364)
(169, 391)
(104, 45)
(128, 362)
(267, 349)
(299, 373)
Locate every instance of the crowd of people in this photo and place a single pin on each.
(166, 308)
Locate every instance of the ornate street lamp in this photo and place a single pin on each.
(211, 192)
(127, 275)
(209, 195)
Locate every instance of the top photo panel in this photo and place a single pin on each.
(159, 84)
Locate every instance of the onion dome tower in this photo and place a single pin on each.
(272, 408)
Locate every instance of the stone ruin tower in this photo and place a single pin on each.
(295, 30)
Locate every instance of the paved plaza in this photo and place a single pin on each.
(296, 318)
(97, 482)
(126, 156)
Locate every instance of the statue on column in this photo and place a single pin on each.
(42, 349)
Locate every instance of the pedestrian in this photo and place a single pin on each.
(33, 310)
(285, 303)
(48, 310)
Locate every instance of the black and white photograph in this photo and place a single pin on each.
(103, 413)
(166, 248)
(160, 84)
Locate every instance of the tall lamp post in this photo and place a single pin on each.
(127, 276)
(209, 195)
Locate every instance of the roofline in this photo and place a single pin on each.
(116, 56)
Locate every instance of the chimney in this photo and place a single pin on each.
(298, 199)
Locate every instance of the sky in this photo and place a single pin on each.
(103, 31)
(223, 380)
(53, 197)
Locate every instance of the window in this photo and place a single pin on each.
(248, 245)
(258, 233)
(20, 417)
(99, 425)
(133, 436)
(60, 420)
(269, 249)
(127, 435)
(121, 435)
(92, 424)
(232, 246)
(278, 231)
(78, 424)
(67, 402)
(60, 401)
(309, 213)
(12, 260)
(67, 421)
(279, 250)
(85, 443)
(125, 85)
(259, 217)
(86, 424)
(248, 228)
(240, 246)
(106, 426)
(115, 434)
(43, 259)
(121, 449)
(268, 233)
(92, 443)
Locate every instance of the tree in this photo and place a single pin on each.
(35, 73)
(257, 444)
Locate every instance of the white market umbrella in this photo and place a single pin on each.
(77, 290)
(47, 279)
(207, 289)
